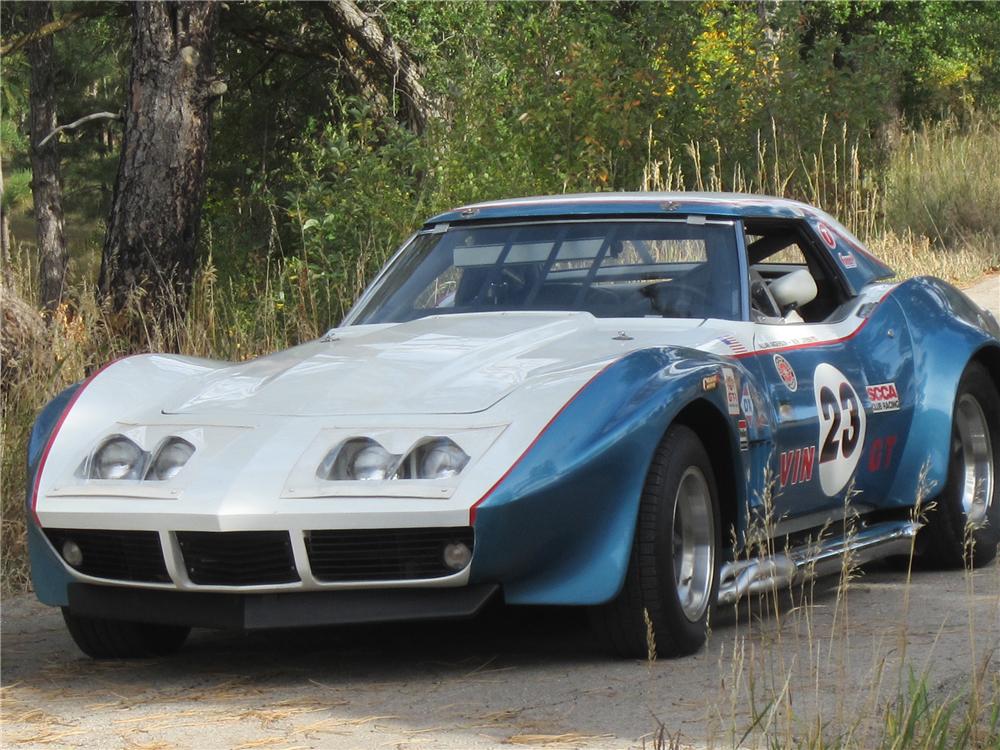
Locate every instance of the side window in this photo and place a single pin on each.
(780, 255)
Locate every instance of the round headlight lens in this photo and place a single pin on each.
(117, 458)
(358, 458)
(170, 459)
(440, 459)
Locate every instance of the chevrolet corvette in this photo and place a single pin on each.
(646, 404)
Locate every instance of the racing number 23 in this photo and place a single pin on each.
(843, 416)
(841, 427)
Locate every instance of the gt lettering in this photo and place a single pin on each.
(841, 427)
(880, 454)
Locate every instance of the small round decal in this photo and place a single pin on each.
(841, 427)
(786, 373)
(827, 234)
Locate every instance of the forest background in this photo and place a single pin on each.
(319, 135)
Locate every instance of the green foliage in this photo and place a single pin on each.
(16, 190)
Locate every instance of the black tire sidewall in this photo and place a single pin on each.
(679, 450)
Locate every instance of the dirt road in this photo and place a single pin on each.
(515, 677)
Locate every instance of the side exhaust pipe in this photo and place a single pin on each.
(757, 576)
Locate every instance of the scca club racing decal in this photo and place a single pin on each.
(796, 466)
(786, 373)
(841, 427)
(847, 260)
(883, 397)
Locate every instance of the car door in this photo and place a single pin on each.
(815, 383)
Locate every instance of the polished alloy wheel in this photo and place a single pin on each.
(972, 446)
(694, 543)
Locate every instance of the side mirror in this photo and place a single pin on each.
(794, 290)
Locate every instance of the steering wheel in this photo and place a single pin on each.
(761, 298)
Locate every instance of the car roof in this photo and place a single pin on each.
(857, 265)
(740, 205)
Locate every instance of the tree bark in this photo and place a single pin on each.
(346, 17)
(46, 189)
(152, 235)
(4, 231)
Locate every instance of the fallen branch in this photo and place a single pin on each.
(78, 123)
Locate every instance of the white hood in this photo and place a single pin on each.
(445, 364)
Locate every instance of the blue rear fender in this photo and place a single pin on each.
(948, 330)
(558, 529)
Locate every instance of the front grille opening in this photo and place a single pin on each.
(383, 554)
(237, 558)
(116, 555)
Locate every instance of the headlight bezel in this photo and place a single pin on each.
(338, 464)
(143, 465)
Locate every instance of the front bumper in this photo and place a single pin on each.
(246, 562)
(248, 611)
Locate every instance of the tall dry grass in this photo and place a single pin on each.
(943, 182)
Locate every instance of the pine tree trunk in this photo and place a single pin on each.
(152, 233)
(4, 231)
(45, 184)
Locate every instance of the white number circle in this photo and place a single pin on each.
(841, 427)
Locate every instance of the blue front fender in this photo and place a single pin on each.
(48, 574)
(558, 529)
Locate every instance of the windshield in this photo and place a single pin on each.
(612, 269)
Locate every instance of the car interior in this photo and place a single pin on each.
(791, 279)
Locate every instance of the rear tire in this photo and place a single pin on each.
(672, 579)
(963, 527)
(100, 638)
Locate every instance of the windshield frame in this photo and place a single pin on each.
(734, 223)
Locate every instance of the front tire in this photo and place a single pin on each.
(672, 579)
(100, 638)
(963, 526)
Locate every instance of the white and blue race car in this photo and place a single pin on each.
(596, 400)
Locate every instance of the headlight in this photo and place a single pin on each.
(170, 459)
(118, 458)
(436, 458)
(358, 458)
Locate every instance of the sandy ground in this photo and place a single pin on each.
(821, 656)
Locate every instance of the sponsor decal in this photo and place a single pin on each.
(796, 466)
(782, 343)
(746, 402)
(732, 392)
(841, 427)
(847, 259)
(786, 373)
(880, 454)
(827, 234)
(735, 345)
(710, 382)
(883, 397)
(744, 435)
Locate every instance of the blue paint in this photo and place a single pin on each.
(947, 331)
(558, 530)
(49, 576)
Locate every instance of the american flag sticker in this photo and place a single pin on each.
(735, 345)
